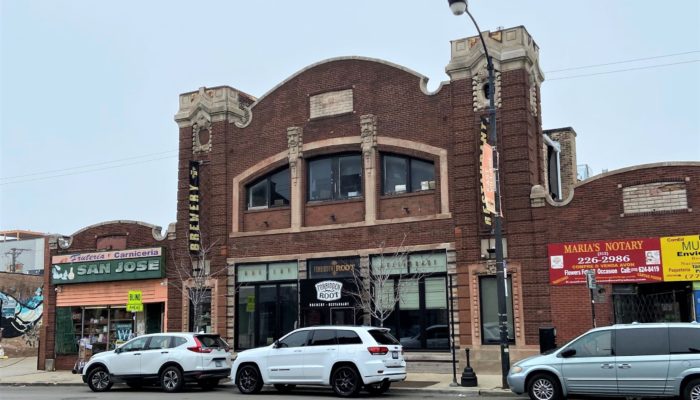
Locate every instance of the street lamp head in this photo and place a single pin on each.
(458, 7)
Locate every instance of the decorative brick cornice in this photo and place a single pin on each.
(210, 105)
(511, 49)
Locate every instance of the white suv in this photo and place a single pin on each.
(347, 358)
(167, 359)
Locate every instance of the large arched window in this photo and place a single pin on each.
(336, 177)
(271, 190)
(401, 174)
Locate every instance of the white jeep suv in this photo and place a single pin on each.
(347, 358)
(165, 359)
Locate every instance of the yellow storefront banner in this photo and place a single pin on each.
(681, 258)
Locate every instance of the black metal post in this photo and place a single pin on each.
(452, 335)
(501, 279)
(593, 307)
(468, 376)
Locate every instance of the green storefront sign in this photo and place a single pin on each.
(108, 270)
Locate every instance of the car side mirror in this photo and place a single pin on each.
(568, 353)
(117, 350)
(276, 344)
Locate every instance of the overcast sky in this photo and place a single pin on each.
(89, 88)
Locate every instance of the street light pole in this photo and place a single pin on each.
(459, 7)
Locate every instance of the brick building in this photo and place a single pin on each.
(351, 165)
(352, 158)
(86, 289)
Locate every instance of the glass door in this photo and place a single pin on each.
(490, 333)
(343, 316)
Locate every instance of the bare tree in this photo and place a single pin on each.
(194, 280)
(385, 283)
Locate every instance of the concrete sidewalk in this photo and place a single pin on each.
(23, 372)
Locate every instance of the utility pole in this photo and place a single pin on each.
(14, 254)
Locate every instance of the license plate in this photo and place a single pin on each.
(218, 363)
(394, 354)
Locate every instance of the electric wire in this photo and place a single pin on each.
(87, 171)
(85, 165)
(622, 70)
(622, 62)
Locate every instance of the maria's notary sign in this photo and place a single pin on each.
(106, 266)
(614, 261)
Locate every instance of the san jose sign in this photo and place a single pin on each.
(108, 266)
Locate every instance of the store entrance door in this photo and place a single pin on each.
(342, 316)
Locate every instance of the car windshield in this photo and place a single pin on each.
(383, 336)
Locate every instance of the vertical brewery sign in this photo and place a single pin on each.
(487, 176)
(193, 230)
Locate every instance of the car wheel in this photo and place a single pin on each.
(544, 387)
(99, 380)
(691, 391)
(134, 384)
(248, 380)
(346, 381)
(284, 388)
(208, 384)
(378, 388)
(171, 379)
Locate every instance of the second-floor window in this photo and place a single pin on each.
(270, 191)
(335, 178)
(404, 174)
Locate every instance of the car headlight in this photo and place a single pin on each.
(516, 369)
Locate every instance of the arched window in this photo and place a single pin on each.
(401, 174)
(271, 190)
(336, 177)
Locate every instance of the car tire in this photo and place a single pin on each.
(691, 390)
(378, 388)
(171, 379)
(248, 379)
(346, 381)
(544, 387)
(284, 388)
(208, 384)
(98, 380)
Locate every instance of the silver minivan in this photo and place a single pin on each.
(635, 360)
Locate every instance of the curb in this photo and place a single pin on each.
(467, 392)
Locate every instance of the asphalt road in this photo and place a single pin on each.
(121, 392)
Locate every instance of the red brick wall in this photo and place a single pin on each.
(263, 220)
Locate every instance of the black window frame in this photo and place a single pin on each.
(335, 179)
(393, 322)
(510, 321)
(278, 329)
(409, 178)
(268, 195)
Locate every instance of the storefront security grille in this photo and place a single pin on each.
(651, 307)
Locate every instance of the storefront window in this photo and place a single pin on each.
(121, 327)
(267, 305)
(420, 317)
(490, 332)
(203, 298)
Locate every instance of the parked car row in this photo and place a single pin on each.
(633, 360)
(347, 359)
